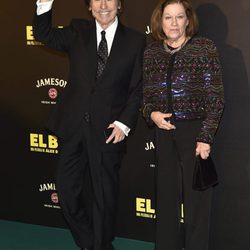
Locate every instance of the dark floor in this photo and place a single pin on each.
(20, 236)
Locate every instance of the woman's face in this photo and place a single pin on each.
(174, 22)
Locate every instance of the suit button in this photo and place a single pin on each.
(92, 91)
(86, 117)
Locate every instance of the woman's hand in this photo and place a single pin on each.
(159, 119)
(203, 149)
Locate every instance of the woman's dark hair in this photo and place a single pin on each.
(156, 18)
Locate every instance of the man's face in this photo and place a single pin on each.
(104, 11)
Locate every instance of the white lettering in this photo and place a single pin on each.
(148, 30)
(149, 146)
(51, 82)
(47, 187)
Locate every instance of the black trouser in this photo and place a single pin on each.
(175, 164)
(88, 183)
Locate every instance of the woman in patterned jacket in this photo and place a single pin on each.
(184, 99)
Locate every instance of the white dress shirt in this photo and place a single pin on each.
(110, 34)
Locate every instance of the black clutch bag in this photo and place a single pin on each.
(205, 175)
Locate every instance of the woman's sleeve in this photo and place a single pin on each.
(214, 99)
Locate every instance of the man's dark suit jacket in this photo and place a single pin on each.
(115, 96)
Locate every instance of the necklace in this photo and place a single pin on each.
(172, 51)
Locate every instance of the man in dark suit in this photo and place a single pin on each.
(104, 91)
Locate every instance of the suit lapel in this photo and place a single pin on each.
(91, 53)
(117, 45)
(116, 49)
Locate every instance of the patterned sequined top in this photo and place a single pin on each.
(196, 84)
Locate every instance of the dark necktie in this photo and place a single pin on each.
(102, 55)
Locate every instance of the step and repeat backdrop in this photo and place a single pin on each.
(33, 77)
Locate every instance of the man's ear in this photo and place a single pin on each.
(119, 5)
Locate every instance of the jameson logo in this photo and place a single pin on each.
(47, 187)
(149, 146)
(51, 82)
(50, 89)
(148, 30)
